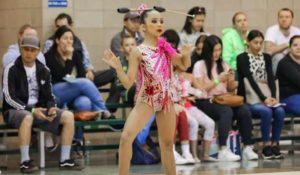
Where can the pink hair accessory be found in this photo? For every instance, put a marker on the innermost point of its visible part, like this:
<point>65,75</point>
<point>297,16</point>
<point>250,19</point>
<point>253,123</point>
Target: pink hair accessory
<point>141,8</point>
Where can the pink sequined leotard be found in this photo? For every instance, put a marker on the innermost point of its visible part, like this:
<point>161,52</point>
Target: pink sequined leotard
<point>154,85</point>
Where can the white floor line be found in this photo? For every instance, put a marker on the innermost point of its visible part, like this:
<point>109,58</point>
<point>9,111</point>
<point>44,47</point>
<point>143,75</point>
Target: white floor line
<point>277,173</point>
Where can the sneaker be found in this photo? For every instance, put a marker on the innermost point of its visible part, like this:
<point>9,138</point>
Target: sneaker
<point>267,153</point>
<point>188,156</point>
<point>69,165</point>
<point>52,148</point>
<point>28,167</point>
<point>210,159</point>
<point>179,160</point>
<point>227,155</point>
<point>116,128</point>
<point>105,117</point>
<point>197,160</point>
<point>249,154</point>
<point>276,152</point>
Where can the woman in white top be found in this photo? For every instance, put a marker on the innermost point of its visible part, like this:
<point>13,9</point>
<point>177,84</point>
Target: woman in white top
<point>193,26</point>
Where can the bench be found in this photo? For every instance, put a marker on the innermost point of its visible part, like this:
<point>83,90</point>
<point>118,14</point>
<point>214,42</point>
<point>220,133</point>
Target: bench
<point>290,120</point>
<point>41,135</point>
<point>9,131</point>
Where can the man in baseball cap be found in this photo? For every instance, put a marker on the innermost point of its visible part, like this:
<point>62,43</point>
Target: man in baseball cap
<point>131,15</point>
<point>130,27</point>
<point>29,48</point>
<point>31,41</point>
<point>29,103</point>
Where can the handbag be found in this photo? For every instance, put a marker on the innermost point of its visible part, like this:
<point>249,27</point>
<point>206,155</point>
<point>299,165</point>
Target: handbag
<point>251,96</point>
<point>86,116</point>
<point>234,142</point>
<point>228,99</point>
<point>144,154</point>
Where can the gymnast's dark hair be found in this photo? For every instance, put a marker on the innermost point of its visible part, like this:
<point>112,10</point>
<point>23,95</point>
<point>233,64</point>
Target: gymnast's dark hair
<point>144,16</point>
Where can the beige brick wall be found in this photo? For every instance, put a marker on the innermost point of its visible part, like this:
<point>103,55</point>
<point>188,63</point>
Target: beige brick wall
<point>96,21</point>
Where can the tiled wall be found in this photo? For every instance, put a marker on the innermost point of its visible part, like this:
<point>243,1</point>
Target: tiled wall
<point>96,21</point>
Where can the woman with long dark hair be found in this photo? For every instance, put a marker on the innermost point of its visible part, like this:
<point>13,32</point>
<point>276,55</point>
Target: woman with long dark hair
<point>216,78</point>
<point>193,26</point>
<point>70,86</point>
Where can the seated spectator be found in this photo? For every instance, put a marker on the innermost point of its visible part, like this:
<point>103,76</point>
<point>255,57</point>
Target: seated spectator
<point>288,73</point>
<point>130,30</point>
<point>128,42</point>
<point>193,26</point>
<point>216,78</point>
<point>131,27</point>
<point>197,52</point>
<point>78,92</point>
<point>234,39</point>
<point>256,67</point>
<point>13,51</point>
<point>279,35</point>
<point>182,130</point>
<point>29,103</point>
<point>100,78</point>
<point>195,117</point>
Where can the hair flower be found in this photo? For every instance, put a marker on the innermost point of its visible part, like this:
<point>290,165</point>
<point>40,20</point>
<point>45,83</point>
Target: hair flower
<point>141,8</point>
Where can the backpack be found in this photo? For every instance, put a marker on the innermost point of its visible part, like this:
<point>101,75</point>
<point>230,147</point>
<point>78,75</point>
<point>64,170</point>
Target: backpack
<point>144,154</point>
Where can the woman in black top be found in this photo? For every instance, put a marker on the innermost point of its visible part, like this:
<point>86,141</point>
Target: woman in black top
<point>256,67</point>
<point>68,76</point>
<point>288,73</point>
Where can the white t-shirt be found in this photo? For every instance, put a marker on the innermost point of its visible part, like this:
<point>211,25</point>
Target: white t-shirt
<point>274,35</point>
<point>190,38</point>
<point>33,88</point>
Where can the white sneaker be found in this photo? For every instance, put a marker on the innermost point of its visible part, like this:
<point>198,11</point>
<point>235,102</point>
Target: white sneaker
<point>249,154</point>
<point>179,160</point>
<point>188,156</point>
<point>227,155</point>
<point>197,160</point>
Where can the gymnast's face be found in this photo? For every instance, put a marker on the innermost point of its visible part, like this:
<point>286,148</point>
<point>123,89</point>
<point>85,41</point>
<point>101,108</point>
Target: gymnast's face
<point>154,24</point>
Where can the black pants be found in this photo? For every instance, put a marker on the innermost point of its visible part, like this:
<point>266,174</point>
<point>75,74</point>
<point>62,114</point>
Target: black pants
<point>116,92</point>
<point>104,77</point>
<point>224,115</point>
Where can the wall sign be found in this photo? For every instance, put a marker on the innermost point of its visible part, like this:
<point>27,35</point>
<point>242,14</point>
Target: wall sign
<point>57,3</point>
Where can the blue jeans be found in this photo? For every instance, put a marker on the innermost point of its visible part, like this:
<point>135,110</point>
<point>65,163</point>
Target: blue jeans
<point>69,92</point>
<point>292,104</point>
<point>80,95</point>
<point>267,114</point>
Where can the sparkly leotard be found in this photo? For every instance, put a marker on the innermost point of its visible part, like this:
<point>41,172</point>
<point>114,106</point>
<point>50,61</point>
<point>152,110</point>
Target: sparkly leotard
<point>154,85</point>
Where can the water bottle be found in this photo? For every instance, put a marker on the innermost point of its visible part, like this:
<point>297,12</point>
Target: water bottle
<point>65,106</point>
